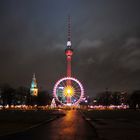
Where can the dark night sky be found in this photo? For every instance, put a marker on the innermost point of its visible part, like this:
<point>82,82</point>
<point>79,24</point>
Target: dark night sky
<point>105,39</point>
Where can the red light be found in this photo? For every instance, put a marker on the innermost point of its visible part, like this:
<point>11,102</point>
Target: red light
<point>69,52</point>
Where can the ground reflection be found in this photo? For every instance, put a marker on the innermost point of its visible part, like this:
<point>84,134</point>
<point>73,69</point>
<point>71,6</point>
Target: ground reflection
<point>70,127</point>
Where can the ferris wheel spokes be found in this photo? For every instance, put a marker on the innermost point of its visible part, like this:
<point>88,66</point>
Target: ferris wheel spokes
<point>71,93</point>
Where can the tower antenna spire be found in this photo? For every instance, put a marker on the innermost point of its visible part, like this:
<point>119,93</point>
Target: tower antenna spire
<point>69,32</point>
<point>69,28</point>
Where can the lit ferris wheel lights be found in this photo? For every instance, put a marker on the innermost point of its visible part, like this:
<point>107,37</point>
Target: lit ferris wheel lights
<point>62,91</point>
<point>68,91</point>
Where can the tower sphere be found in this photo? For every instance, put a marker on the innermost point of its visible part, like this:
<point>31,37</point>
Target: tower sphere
<point>69,52</point>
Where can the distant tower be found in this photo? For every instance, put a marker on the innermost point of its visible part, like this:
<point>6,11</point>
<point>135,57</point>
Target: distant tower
<point>69,50</point>
<point>34,89</point>
<point>68,90</point>
<point>69,53</point>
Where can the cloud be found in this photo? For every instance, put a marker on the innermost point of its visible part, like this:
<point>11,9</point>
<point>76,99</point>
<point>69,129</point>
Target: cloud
<point>114,65</point>
<point>132,41</point>
<point>90,60</point>
<point>131,56</point>
<point>87,44</point>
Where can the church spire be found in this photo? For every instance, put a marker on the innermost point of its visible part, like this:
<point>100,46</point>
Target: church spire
<point>34,89</point>
<point>34,83</point>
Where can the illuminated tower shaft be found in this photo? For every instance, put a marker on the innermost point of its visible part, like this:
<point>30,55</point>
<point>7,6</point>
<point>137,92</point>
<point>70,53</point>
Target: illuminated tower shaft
<point>68,64</point>
<point>69,53</point>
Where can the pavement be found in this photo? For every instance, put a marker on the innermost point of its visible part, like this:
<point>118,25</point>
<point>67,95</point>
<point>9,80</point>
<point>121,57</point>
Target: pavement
<point>117,129</point>
<point>70,127</point>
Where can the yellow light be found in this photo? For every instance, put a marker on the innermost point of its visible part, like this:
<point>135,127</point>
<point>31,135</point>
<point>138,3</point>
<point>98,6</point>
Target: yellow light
<point>68,91</point>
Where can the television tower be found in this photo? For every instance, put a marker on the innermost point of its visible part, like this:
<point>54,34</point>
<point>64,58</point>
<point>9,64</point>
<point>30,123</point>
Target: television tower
<point>69,53</point>
<point>68,90</point>
<point>69,50</point>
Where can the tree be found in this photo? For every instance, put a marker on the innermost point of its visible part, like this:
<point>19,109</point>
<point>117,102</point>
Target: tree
<point>135,99</point>
<point>7,94</point>
<point>44,98</point>
<point>21,95</point>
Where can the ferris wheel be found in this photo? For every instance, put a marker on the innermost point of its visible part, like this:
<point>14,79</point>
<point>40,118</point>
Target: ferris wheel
<point>68,91</point>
